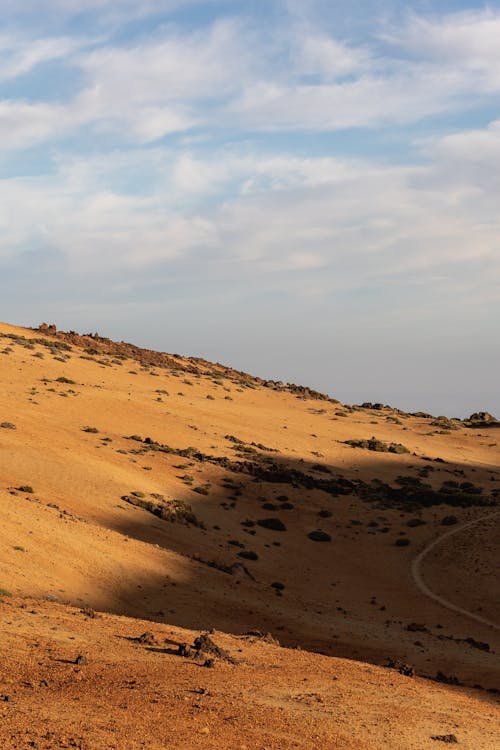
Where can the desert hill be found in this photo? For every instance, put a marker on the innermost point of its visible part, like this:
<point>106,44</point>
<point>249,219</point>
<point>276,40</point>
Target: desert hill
<point>158,488</point>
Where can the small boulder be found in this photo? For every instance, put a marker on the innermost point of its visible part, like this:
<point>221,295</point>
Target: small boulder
<point>319,536</point>
<point>273,524</point>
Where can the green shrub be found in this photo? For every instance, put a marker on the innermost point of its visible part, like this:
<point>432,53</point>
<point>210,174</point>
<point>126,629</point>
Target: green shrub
<point>201,490</point>
<point>444,423</point>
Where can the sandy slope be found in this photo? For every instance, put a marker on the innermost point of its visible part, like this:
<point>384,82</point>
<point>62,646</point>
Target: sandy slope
<point>76,539</point>
<point>130,695</point>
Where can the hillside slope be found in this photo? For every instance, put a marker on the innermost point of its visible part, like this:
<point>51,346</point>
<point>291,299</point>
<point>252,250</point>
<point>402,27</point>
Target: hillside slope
<point>194,496</point>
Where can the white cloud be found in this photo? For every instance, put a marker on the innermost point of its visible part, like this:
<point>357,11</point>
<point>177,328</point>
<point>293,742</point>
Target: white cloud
<point>365,102</point>
<point>344,224</point>
<point>467,36</point>
<point>19,55</point>
<point>475,145</point>
<point>233,75</point>
<point>107,10</point>
<point>467,41</point>
<point>24,124</point>
<point>319,54</point>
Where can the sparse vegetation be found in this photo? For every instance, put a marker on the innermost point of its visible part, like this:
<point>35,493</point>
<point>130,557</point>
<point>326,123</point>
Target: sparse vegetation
<point>203,489</point>
<point>373,444</point>
<point>445,424</point>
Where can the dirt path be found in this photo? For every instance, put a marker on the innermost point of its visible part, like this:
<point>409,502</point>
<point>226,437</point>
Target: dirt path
<point>418,579</point>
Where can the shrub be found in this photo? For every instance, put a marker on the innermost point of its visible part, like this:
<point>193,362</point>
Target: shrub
<point>202,490</point>
<point>377,445</point>
<point>444,423</point>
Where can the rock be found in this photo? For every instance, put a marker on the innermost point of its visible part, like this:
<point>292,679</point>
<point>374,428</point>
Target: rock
<point>449,521</point>
<point>417,627</point>
<point>147,639</point>
<point>402,542</point>
<point>247,554</point>
<point>405,669</point>
<point>482,416</point>
<point>319,536</point>
<point>204,647</point>
<point>274,524</point>
<point>481,645</point>
<point>446,679</point>
<point>266,637</point>
<point>81,660</point>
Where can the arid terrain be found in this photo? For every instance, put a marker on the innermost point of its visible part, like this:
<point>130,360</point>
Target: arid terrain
<point>192,557</point>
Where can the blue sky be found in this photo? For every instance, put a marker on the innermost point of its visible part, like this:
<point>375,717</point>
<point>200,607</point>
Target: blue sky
<point>300,188</point>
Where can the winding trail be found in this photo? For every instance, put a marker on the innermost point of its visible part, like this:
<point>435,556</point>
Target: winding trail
<point>418,579</point>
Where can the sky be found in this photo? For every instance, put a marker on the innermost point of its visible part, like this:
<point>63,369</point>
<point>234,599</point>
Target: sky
<point>308,190</point>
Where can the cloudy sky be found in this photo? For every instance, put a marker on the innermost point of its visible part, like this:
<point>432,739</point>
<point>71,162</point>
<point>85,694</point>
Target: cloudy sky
<point>301,189</point>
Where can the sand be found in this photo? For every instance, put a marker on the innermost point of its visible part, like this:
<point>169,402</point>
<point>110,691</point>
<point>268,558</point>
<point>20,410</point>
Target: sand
<point>349,603</point>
